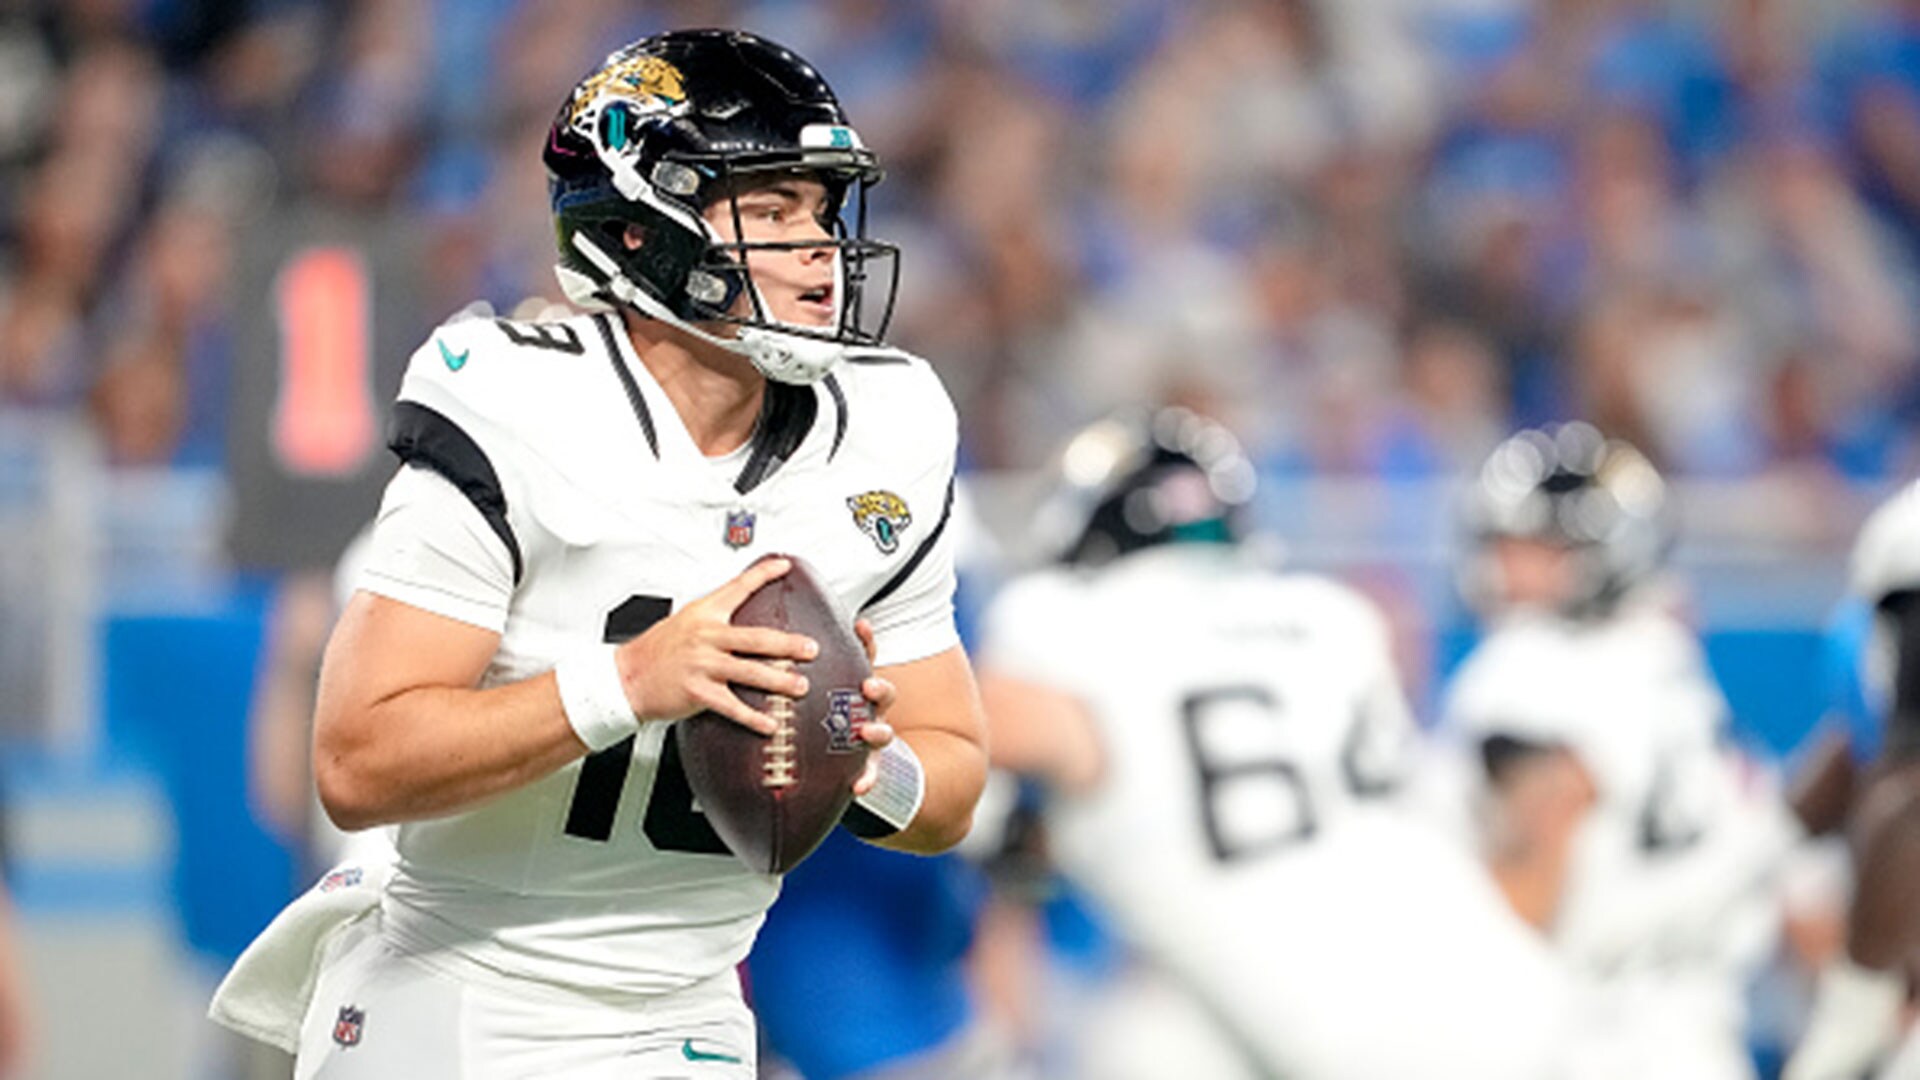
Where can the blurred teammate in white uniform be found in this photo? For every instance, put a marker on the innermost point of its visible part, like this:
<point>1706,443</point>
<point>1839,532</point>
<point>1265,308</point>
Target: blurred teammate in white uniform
<point>1223,743</point>
<point>1607,801</point>
<point>552,574</point>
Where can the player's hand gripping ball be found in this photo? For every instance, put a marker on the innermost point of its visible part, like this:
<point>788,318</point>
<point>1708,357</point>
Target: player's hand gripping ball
<point>773,799</point>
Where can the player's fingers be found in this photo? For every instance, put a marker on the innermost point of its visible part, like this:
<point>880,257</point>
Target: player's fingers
<point>735,592</point>
<point>765,642</point>
<point>876,734</point>
<point>864,630</point>
<point>720,699</point>
<point>868,777</point>
<point>879,691</point>
<point>774,677</point>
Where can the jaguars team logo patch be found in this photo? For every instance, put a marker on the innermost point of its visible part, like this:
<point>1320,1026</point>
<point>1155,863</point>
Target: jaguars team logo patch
<point>846,711</point>
<point>883,516</point>
<point>348,1025</point>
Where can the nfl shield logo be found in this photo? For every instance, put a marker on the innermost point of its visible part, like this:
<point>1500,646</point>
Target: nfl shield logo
<point>739,528</point>
<point>344,878</point>
<point>346,1029</point>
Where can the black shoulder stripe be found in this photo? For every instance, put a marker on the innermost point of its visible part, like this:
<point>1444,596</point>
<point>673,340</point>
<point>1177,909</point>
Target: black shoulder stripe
<point>874,359</point>
<point>627,383</point>
<point>919,553</point>
<point>840,415</point>
<point>423,437</point>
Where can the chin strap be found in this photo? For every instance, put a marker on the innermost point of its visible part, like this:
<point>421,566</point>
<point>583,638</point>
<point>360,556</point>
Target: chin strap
<point>784,357</point>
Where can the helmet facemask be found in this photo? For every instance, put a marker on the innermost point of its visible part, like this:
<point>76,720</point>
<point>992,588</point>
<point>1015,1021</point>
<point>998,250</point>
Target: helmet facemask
<point>725,272</point>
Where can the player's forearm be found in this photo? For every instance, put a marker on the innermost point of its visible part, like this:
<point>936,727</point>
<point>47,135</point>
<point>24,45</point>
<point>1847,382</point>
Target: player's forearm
<point>431,751</point>
<point>1883,924</point>
<point>1040,731</point>
<point>956,771</point>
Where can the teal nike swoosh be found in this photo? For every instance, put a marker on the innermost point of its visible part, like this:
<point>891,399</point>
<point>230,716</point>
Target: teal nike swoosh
<point>687,1051</point>
<point>454,361</point>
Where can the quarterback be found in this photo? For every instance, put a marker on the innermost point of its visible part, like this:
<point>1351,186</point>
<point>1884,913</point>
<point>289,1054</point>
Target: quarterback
<point>552,573</point>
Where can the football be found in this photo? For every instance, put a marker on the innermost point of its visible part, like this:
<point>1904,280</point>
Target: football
<point>774,799</point>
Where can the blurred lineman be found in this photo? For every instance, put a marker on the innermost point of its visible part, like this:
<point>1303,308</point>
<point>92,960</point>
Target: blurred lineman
<point>1857,1016</point>
<point>1222,743</point>
<point>549,587</point>
<point>1607,804</point>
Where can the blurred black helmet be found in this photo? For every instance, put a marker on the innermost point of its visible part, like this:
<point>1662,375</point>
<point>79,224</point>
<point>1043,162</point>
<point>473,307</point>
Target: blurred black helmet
<point>1141,478</point>
<point>673,123</point>
<point>1572,487</point>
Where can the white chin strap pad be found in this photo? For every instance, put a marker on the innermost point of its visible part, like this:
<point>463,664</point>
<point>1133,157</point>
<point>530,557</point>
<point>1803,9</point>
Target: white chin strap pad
<point>788,358</point>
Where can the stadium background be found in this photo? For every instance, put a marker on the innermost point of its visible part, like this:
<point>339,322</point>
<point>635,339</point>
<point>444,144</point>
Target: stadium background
<point>1373,236</point>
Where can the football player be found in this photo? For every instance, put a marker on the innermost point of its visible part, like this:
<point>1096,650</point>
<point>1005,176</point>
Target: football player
<point>552,573</point>
<point>1222,744</point>
<point>1611,810</point>
<point>1857,1014</point>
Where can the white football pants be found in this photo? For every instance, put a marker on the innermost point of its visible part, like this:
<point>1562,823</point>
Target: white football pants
<point>382,1014</point>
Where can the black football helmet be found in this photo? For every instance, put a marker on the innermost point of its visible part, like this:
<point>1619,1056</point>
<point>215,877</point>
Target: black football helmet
<point>668,126</point>
<point>1570,486</point>
<point>1140,478</point>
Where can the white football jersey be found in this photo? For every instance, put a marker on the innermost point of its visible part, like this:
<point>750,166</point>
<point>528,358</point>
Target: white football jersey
<point>1241,835</point>
<point>1668,897</point>
<point>553,495</point>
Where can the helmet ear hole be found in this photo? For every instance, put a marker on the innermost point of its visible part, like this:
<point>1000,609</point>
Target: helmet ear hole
<point>612,234</point>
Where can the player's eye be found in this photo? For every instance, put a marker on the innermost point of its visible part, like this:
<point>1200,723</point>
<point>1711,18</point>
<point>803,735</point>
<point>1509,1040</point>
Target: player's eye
<point>771,211</point>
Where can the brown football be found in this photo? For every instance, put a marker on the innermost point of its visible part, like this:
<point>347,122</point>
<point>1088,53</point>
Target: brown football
<point>773,799</point>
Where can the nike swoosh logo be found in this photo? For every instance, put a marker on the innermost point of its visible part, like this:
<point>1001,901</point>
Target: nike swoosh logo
<point>455,361</point>
<point>687,1051</point>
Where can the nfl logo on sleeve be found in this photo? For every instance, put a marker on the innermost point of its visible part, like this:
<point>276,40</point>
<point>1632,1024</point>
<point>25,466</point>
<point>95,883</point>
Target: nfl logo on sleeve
<point>346,1028</point>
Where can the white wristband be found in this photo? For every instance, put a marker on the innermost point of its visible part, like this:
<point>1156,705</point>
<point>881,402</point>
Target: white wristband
<point>899,788</point>
<point>595,701</point>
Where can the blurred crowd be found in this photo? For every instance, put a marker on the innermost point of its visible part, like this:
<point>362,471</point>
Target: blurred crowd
<point>1374,236</point>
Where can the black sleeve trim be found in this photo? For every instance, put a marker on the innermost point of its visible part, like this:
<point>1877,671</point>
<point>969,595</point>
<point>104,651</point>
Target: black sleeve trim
<point>893,584</point>
<point>627,383</point>
<point>866,824</point>
<point>840,415</point>
<point>425,438</point>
